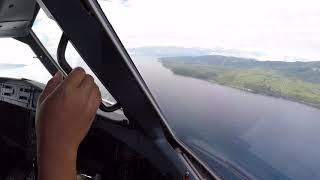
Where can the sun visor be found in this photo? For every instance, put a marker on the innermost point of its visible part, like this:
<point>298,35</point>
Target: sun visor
<point>16,17</point>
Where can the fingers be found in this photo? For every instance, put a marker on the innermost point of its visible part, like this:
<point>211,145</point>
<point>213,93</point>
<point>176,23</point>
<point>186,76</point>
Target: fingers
<point>94,102</point>
<point>79,79</point>
<point>75,77</point>
<point>87,84</point>
<point>94,99</point>
<point>52,84</point>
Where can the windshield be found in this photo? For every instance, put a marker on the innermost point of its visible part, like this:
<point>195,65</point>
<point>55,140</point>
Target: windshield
<point>49,33</point>
<point>17,60</point>
<point>238,81</point>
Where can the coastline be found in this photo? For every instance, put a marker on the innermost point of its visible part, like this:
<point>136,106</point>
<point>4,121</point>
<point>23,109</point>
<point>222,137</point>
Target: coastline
<point>250,90</point>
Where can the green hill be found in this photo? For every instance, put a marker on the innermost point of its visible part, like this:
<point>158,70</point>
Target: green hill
<point>296,81</point>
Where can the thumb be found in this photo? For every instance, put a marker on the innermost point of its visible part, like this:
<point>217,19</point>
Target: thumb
<point>52,84</point>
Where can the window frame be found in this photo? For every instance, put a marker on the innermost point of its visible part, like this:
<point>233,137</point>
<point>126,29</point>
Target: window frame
<point>61,63</point>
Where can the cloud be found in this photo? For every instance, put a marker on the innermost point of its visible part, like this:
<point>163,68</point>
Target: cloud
<point>124,2</point>
<point>276,28</point>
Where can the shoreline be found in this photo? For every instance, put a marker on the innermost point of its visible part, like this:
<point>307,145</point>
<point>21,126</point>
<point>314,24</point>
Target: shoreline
<point>265,94</point>
<point>253,91</point>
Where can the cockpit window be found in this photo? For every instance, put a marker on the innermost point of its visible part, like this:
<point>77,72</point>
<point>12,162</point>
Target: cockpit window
<point>17,60</point>
<point>238,81</point>
<point>49,33</point>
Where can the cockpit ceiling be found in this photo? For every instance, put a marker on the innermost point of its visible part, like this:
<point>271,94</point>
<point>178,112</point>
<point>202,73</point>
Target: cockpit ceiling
<point>16,17</point>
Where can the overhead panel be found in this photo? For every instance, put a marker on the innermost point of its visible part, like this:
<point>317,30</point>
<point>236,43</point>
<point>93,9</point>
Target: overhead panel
<point>16,17</point>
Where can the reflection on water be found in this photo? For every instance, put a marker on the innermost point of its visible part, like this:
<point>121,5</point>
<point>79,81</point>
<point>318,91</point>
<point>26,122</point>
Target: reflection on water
<point>262,137</point>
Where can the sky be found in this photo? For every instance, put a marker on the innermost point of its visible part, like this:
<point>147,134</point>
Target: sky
<point>13,51</point>
<point>286,30</point>
<point>269,29</point>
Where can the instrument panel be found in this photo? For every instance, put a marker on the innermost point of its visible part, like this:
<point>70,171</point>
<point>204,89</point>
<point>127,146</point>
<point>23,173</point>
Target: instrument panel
<point>23,93</point>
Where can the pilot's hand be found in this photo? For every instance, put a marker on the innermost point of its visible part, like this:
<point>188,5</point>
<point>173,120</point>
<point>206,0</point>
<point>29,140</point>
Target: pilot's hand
<point>66,109</point>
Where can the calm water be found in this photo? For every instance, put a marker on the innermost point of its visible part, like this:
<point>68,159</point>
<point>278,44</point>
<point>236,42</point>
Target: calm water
<point>266,137</point>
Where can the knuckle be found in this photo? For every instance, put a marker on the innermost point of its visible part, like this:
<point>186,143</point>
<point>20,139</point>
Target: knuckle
<point>97,94</point>
<point>96,88</point>
<point>89,78</point>
<point>78,71</point>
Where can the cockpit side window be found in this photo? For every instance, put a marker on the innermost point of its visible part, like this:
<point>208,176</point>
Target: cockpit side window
<point>49,33</point>
<point>17,60</point>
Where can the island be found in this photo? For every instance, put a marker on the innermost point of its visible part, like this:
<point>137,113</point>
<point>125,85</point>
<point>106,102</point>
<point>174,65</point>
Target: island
<point>295,81</point>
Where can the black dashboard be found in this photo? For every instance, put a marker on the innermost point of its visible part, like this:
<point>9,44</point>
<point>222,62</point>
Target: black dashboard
<point>18,101</point>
